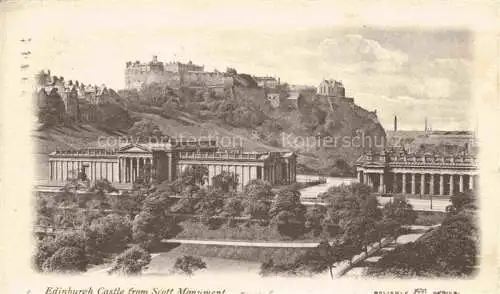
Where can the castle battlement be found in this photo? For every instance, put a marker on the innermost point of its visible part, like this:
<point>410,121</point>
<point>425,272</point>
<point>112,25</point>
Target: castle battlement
<point>174,74</point>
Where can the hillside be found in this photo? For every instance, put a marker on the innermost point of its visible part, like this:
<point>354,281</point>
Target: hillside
<point>324,133</point>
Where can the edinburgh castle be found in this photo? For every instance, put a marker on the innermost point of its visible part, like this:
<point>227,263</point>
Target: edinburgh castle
<point>174,75</point>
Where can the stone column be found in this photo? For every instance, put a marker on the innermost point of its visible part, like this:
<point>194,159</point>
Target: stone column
<point>381,183</point>
<point>413,183</point>
<point>253,172</point>
<point>431,186</point>
<point>394,182</point>
<point>451,185</point>
<point>170,167</point>
<point>461,183</point>
<point>136,168</point>
<point>246,175</point>
<point>64,170</point>
<point>142,164</point>
<point>150,169</point>
<point>403,183</point>
<point>127,170</point>
<point>441,185</point>
<point>365,178</point>
<point>239,172</point>
<point>67,170</point>
<point>51,172</point>
<point>422,184</point>
<point>121,170</point>
<point>359,177</point>
<point>471,182</point>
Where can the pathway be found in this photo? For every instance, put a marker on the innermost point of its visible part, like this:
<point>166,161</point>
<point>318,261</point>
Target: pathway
<point>376,253</point>
<point>244,243</point>
<point>313,191</point>
<point>309,195</point>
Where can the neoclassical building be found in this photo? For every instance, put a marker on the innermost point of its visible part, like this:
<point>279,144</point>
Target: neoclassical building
<point>166,161</point>
<point>421,174</point>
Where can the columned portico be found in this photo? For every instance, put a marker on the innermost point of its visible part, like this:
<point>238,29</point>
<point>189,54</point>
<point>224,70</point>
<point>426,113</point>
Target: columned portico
<point>411,174</point>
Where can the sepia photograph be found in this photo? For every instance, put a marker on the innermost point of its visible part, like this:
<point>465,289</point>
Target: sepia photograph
<point>179,141</point>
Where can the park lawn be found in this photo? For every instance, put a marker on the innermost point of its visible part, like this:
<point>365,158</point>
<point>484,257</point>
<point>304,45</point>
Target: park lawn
<point>247,253</point>
<point>240,232</point>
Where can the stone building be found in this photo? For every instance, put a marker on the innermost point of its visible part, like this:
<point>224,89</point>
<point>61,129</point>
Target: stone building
<point>419,174</point>
<point>166,161</point>
<point>267,82</point>
<point>171,74</point>
<point>331,88</point>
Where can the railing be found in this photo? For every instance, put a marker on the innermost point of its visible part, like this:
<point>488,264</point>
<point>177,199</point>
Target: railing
<point>85,152</point>
<point>424,160</point>
<point>216,156</point>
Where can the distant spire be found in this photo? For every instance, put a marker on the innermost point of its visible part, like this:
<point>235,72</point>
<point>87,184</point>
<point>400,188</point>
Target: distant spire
<point>395,123</point>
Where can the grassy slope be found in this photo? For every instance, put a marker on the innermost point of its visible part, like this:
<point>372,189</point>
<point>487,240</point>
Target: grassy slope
<point>87,136</point>
<point>178,123</point>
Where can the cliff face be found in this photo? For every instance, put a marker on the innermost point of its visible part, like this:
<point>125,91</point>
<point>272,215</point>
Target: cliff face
<point>328,133</point>
<point>342,132</point>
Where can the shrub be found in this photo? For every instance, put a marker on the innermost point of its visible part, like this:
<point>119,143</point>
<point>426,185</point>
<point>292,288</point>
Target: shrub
<point>188,265</point>
<point>67,259</point>
<point>131,262</point>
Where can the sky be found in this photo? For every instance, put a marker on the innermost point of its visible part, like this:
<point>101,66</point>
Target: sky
<point>406,70</point>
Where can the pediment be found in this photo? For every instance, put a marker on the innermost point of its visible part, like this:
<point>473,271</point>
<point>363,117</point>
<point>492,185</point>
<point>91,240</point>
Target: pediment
<point>134,149</point>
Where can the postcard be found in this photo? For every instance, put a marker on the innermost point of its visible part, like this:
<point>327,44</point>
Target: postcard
<point>217,147</point>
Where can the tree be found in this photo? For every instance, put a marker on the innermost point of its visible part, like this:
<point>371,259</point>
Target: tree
<point>67,259</point>
<point>225,181</point>
<point>400,211</point>
<point>129,202</point>
<point>288,213</point>
<point>188,265</point>
<point>258,195</point>
<point>319,259</point>
<point>461,200</point>
<point>152,224</point>
<point>387,228</point>
<point>145,130</point>
<point>131,262</point>
<point>231,71</point>
<point>195,175</point>
<point>107,235</point>
<point>154,93</point>
<point>233,206</point>
<point>314,219</point>
<point>449,250</point>
<point>210,204</point>
<point>48,246</point>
